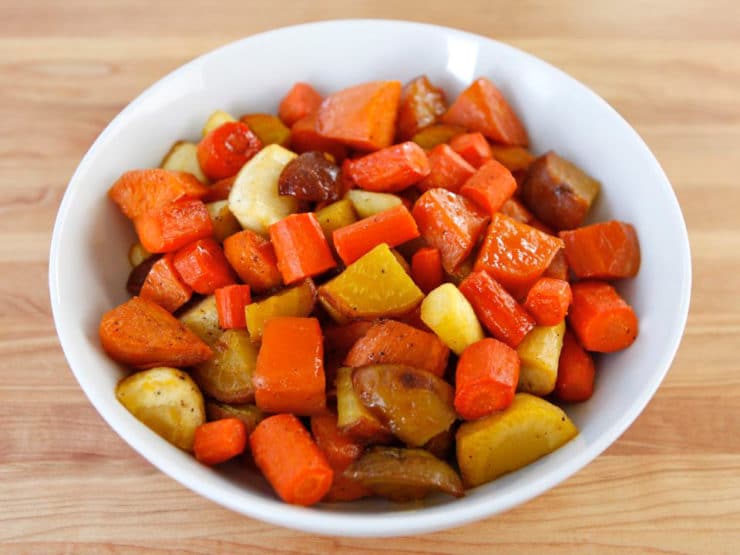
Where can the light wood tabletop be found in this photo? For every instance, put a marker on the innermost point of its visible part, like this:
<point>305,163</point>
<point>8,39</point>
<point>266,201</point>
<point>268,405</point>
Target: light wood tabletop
<point>670,484</point>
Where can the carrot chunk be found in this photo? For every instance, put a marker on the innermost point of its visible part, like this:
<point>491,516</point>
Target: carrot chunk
<point>447,170</point>
<point>516,254</point>
<point>421,105</point>
<point>390,169</point>
<point>290,460</point>
<point>601,319</point>
<point>224,151</point>
<point>490,187</point>
<point>174,225</point>
<point>300,247</point>
<point>473,147</point>
<point>606,250</point>
<point>301,100</point>
<point>393,226</point>
<point>305,137</point>
<point>289,376</point>
<point>576,372</point>
<point>137,192</point>
<point>230,303</point>
<point>391,342</point>
<point>558,268</point>
<point>142,334</point>
<point>548,301</point>
<point>363,116</point>
<point>482,107</point>
<point>164,286</point>
<point>486,377</point>
<point>450,223</point>
<point>218,441</point>
<point>253,258</point>
<point>515,209</point>
<point>498,311</point>
<point>203,266</point>
<point>426,269</point>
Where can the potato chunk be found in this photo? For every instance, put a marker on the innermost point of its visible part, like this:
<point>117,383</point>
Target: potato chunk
<point>539,352</point>
<point>202,320</point>
<point>353,418</point>
<point>183,157</point>
<point>508,440</point>
<point>227,376</point>
<point>448,314</point>
<point>216,119</point>
<point>167,401</point>
<point>367,203</point>
<point>296,301</point>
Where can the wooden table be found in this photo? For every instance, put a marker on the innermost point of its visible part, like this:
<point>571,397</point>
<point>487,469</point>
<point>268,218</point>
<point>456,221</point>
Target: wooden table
<point>69,484</point>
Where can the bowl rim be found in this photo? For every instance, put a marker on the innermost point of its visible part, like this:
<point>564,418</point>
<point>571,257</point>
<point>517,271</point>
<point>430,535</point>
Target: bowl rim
<point>349,524</point>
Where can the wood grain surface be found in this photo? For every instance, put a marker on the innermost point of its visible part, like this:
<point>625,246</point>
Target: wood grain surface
<point>69,484</point>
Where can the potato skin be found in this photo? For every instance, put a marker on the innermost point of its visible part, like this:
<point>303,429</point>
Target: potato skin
<point>558,192</point>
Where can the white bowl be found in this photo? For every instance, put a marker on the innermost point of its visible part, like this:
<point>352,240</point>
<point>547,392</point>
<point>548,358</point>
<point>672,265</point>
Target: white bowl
<point>88,265</point>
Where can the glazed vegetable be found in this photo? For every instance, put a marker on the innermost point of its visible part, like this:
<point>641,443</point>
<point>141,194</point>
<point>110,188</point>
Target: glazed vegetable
<point>164,286</point>
<point>203,266</point>
<point>448,313</point>
<point>353,417</point>
<point>391,342</point>
<point>202,320</point>
<point>142,334</point>
<point>527,430</point>
<point>363,116</point>
<point>300,247</point>
<point>170,227</point>
<point>515,158</point>
<point>447,170</point>
<point>305,137</point>
<point>390,169</point>
<point>138,275</point>
<point>601,319</point>
<point>485,379</point>
<point>548,301</point>
<point>268,129</point>
<point>368,204</point>
<point>290,460</point>
<point>437,134</point>
<point>183,157</point>
<point>227,376</point>
<point>473,147</point>
<point>482,107</point>
<point>415,404</point>
<point>558,192</point>
<point>539,353</point>
<point>421,105</point>
<point>167,401</point>
<point>310,177</point>
<point>357,292</point>
<point>450,223</point>
<point>426,268</point>
<point>392,227</point>
<point>576,372</point>
<point>607,250</point>
<point>296,301</point>
<point>223,221</point>
<point>558,268</point>
<point>250,415</point>
<point>291,379</point>
<point>336,215</point>
<point>404,474</point>
<point>490,187</point>
<point>301,100</point>
<point>230,302</point>
<point>224,151</point>
<point>219,441</point>
<point>253,258</point>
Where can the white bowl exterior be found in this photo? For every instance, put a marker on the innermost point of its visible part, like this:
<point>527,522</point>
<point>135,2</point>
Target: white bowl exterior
<point>88,256</point>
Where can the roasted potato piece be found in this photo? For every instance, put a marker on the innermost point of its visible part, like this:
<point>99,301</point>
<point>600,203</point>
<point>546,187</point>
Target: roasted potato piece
<point>422,104</point>
<point>254,197</point>
<point>227,376</point>
<point>295,301</point>
<point>353,418</point>
<point>539,352</point>
<point>137,254</point>
<point>224,222</point>
<point>249,414</point>
<point>415,404</point>
<point>505,441</point>
<point>268,128</point>
<point>367,203</point>
<point>448,314</point>
<point>138,274</point>
<point>216,119</point>
<point>202,320</point>
<point>373,286</point>
<point>558,192</point>
<point>515,158</point>
<point>310,177</point>
<point>404,474</point>
<point>437,134</point>
<point>336,215</point>
<point>183,157</point>
<point>167,401</point>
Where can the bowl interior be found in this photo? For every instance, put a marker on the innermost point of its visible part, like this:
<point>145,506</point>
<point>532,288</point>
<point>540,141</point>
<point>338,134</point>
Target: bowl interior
<point>89,265</point>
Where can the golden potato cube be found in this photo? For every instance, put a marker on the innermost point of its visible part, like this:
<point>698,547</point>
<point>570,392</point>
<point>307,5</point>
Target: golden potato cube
<point>295,301</point>
<point>448,314</point>
<point>539,352</point>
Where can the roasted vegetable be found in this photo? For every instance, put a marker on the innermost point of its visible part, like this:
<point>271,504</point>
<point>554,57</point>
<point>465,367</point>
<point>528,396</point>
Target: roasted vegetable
<point>301,249</point>
<point>449,314</point>
<point>225,150</point>
<point>295,301</point>
<point>167,401</point>
<point>601,318</point>
<point>164,286</point>
<point>404,474</point>
<point>437,134</point>
<point>137,254</point>
<point>506,441</point>
<point>223,221</point>
<point>227,377</point>
<point>357,292</point>
<point>421,105</point>
<point>138,274</point>
<point>353,418</point>
<point>606,250</point>
<point>216,119</point>
<point>539,353</point>
<point>183,157</point>
<point>310,177</point>
<point>268,128</point>
<point>473,147</point>
<point>367,203</point>
<point>558,192</point>
<point>390,169</point>
<point>253,258</point>
<point>336,215</point>
<point>249,414</point>
<point>202,320</point>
